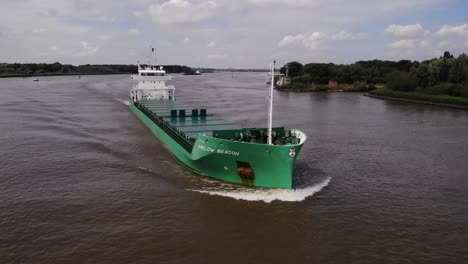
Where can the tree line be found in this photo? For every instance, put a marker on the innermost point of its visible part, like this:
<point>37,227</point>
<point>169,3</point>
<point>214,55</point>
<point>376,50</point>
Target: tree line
<point>443,75</point>
<point>30,69</point>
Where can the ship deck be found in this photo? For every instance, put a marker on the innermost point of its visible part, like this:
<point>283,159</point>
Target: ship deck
<point>191,121</point>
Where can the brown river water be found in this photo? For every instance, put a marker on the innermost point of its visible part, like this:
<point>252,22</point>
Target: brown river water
<point>82,180</point>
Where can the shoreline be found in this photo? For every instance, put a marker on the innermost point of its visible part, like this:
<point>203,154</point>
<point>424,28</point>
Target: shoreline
<point>57,74</point>
<point>415,101</point>
<point>318,91</point>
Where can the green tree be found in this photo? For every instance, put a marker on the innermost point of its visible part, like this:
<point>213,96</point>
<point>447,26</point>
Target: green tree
<point>401,81</point>
<point>459,70</point>
<point>447,64</point>
<point>434,69</point>
<point>352,73</point>
<point>404,65</point>
<point>447,55</point>
<point>319,72</point>
<point>293,68</point>
<point>360,85</point>
<point>421,73</point>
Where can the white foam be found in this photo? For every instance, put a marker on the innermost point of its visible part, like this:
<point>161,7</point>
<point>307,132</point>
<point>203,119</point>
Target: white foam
<point>125,102</point>
<point>269,195</point>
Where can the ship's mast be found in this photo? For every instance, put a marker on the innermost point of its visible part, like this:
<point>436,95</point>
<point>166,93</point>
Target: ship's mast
<point>270,109</point>
<point>152,59</point>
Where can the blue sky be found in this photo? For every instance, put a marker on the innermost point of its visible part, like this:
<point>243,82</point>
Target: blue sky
<point>224,34</point>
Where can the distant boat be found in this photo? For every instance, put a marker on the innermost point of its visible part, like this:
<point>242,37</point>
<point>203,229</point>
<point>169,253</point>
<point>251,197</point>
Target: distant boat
<point>197,73</point>
<point>35,80</point>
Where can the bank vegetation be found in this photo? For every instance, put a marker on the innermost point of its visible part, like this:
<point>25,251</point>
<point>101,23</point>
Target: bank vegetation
<point>443,77</point>
<point>43,69</point>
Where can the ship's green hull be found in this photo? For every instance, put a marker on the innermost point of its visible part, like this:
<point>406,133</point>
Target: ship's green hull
<point>271,166</point>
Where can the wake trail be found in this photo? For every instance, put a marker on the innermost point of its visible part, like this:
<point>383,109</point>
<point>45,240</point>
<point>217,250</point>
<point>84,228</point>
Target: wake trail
<point>124,102</point>
<point>268,195</point>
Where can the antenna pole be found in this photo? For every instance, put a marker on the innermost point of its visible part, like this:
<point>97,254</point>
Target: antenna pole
<point>151,57</point>
<point>270,109</point>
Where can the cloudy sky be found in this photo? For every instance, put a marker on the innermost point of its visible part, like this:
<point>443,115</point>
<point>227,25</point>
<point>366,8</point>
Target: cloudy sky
<point>224,34</point>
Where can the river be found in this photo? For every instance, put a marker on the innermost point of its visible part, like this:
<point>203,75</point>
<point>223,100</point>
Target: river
<point>84,181</point>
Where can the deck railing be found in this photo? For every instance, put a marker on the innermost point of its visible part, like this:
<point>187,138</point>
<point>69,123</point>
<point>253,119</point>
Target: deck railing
<point>178,136</point>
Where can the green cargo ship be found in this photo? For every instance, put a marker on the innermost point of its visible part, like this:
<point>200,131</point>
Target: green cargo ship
<point>207,144</point>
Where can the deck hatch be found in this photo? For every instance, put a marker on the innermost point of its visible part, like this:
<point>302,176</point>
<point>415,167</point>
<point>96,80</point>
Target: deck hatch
<point>183,123</point>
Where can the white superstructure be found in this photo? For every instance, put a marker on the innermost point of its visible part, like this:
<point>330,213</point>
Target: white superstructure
<point>151,84</point>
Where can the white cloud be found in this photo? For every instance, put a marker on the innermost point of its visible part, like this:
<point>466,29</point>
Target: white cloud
<point>343,35</point>
<point>4,31</point>
<point>311,41</point>
<point>443,44</point>
<point>285,3</point>
<point>243,29</point>
<point>186,40</point>
<point>179,12</point>
<point>411,40</point>
<point>402,5</point>
<point>424,44</point>
<point>104,37</point>
<point>212,44</point>
<point>403,43</point>
<point>39,30</point>
<point>52,12</point>
<point>87,49</point>
<point>410,44</point>
<point>405,31</point>
<point>466,43</point>
<point>57,50</point>
<point>415,42</point>
<point>106,19</point>
<point>314,40</point>
<point>217,56</point>
<point>291,40</point>
<point>133,31</point>
<point>460,30</point>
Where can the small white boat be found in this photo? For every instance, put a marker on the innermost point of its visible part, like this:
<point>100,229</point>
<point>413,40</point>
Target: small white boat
<point>35,80</point>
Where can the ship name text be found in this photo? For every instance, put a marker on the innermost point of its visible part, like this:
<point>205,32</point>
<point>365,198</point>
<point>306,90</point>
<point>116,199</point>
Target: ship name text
<point>219,151</point>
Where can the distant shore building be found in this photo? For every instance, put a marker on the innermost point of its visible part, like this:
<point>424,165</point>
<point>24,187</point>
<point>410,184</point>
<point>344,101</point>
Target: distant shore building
<point>332,84</point>
<point>283,80</point>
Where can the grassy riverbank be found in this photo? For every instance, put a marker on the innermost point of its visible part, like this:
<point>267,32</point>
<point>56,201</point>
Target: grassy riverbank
<point>422,97</point>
